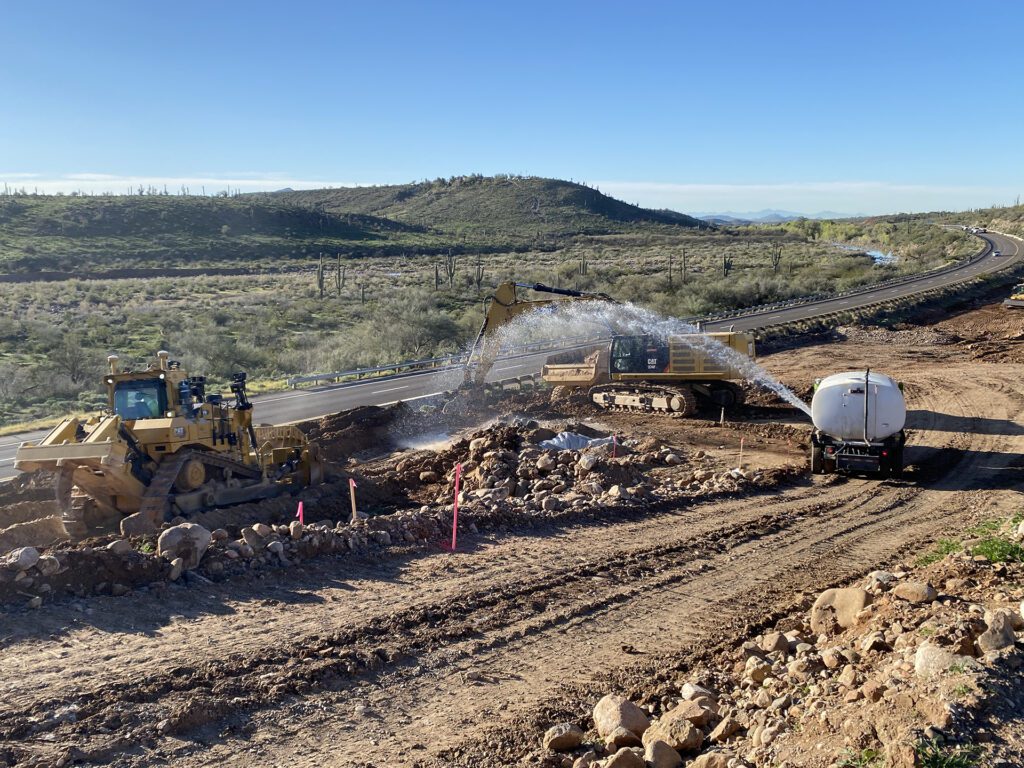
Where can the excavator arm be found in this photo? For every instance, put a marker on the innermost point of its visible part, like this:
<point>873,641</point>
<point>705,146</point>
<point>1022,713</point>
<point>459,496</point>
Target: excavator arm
<point>504,307</point>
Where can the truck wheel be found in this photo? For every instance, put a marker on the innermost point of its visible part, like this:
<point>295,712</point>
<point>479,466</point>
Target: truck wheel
<point>817,460</point>
<point>896,468</point>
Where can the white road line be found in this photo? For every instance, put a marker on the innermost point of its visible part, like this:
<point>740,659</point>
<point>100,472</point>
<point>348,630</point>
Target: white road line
<point>391,389</point>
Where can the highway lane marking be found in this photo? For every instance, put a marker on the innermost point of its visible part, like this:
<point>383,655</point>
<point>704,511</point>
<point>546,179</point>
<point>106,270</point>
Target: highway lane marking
<point>390,389</point>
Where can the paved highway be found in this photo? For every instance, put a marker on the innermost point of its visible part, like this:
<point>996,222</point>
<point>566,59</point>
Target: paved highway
<point>300,404</point>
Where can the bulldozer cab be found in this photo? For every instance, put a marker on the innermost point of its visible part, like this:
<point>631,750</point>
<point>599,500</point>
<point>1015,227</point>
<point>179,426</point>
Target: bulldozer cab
<point>140,399</point>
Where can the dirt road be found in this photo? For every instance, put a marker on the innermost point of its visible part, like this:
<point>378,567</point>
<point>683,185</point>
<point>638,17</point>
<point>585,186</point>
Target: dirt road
<point>460,659</point>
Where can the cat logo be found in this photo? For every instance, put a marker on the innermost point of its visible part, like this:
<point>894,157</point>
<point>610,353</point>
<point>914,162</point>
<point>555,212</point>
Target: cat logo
<point>179,431</point>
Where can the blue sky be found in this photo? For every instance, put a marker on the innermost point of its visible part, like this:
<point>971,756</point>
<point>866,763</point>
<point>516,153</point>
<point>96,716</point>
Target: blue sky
<point>853,107</point>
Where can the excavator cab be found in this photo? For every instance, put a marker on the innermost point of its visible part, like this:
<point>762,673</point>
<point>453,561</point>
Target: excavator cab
<point>639,354</point>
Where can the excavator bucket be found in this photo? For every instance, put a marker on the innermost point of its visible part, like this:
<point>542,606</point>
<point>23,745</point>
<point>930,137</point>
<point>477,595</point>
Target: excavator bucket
<point>590,371</point>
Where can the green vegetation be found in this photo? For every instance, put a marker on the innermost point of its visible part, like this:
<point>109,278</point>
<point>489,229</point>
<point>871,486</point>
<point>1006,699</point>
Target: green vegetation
<point>942,548</point>
<point>931,754</point>
<point>406,273</point>
<point>999,549</point>
<point>866,758</point>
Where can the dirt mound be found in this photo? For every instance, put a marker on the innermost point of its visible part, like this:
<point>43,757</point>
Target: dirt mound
<point>27,486</point>
<point>37,532</point>
<point>26,511</point>
<point>349,433</point>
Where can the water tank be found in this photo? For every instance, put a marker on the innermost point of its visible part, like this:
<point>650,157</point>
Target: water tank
<point>837,408</point>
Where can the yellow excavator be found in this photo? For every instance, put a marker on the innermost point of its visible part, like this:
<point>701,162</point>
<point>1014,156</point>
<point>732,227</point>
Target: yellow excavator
<point>629,372</point>
<point>164,447</point>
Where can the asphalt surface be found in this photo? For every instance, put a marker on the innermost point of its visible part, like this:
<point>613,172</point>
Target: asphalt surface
<point>301,404</point>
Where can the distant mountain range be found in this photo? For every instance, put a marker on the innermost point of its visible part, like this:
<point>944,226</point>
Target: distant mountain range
<point>768,216</point>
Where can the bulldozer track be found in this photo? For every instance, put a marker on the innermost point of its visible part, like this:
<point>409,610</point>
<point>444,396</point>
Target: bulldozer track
<point>156,501</point>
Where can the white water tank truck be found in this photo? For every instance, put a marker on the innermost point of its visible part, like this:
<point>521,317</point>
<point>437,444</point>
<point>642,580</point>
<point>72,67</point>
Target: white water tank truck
<point>858,424</point>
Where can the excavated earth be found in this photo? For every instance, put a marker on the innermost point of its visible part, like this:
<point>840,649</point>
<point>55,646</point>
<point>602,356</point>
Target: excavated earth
<point>366,654</point>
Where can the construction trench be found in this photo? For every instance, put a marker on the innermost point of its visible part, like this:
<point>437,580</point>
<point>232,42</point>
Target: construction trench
<point>368,642</point>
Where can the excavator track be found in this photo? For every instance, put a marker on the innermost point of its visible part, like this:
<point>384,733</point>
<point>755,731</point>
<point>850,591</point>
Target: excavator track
<point>676,401</point>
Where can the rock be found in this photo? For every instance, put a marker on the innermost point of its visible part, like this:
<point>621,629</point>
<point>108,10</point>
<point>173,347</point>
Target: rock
<point>622,737</point>
<point>873,690</point>
<point>275,548</point>
<point>262,530</point>
<point>710,760</point>
<point>880,578</point>
<point>177,566</point>
<point>774,641</point>
<point>295,530</point>
<point>613,711</point>
<point>138,524</point>
<point>118,589</point>
<point>915,592</point>
<point>35,602</point>
<point>48,565</point>
<point>625,758</point>
<point>253,539</point>
<point>673,460</point>
<point>119,547</point>
<point>726,728</point>
<point>540,434</point>
<point>477,445</point>
<point>21,559</point>
<point>187,541</point>
<point>689,710</point>
<point>589,758</point>
<point>546,463</point>
<point>381,538</point>
<point>587,462</point>
<point>679,733</point>
<point>840,605</point>
<point>618,492</point>
<point>931,661</point>
<point>999,633</point>
<point>219,534</point>
<point>428,477</point>
<point>562,737</point>
<point>658,754</point>
<point>691,691</point>
<point>757,669</point>
<point>848,676</point>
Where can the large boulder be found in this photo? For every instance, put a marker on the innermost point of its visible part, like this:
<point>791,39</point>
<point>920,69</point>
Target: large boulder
<point>187,541</point>
<point>915,592</point>
<point>614,712</point>
<point>21,559</point>
<point>563,736</point>
<point>999,632</point>
<point>840,606</point>
<point>676,731</point>
<point>932,661</point>
<point>660,755</point>
<point>711,760</point>
<point>625,758</point>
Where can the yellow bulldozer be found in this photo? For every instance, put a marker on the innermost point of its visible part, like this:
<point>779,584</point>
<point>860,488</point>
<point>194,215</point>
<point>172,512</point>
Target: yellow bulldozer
<point>643,372</point>
<point>164,447</point>
<point>1016,300</point>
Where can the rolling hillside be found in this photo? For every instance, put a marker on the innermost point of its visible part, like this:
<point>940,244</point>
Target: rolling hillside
<point>65,233</point>
<point>506,208</point>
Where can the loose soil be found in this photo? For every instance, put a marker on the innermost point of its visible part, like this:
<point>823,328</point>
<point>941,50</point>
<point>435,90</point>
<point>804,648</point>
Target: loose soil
<point>430,658</point>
